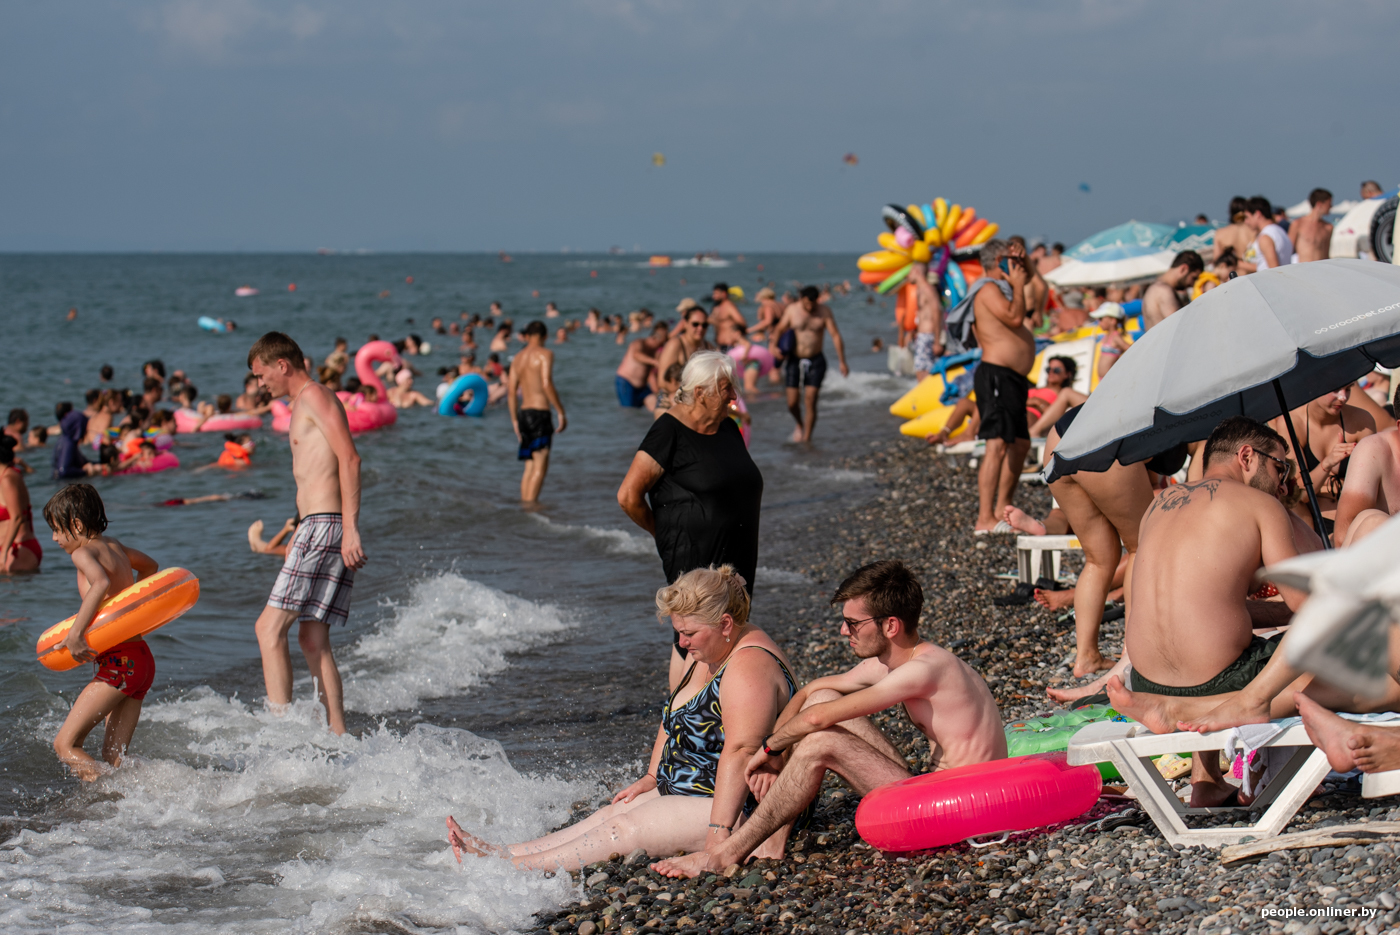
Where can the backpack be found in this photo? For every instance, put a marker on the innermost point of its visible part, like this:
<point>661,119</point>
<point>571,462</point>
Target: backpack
<point>962,317</point>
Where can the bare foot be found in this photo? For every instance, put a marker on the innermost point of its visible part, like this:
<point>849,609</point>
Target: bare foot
<point>1210,794</point>
<point>1148,710</point>
<point>1074,694</point>
<point>775,847</point>
<point>689,866</point>
<point>1090,664</point>
<point>1056,600</point>
<point>1331,734</point>
<point>255,539</point>
<point>1232,712</point>
<point>1021,522</point>
<point>462,841</point>
<point>797,434</point>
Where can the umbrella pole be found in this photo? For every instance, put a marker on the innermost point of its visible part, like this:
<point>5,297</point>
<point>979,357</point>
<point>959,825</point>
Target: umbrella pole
<point>1307,478</point>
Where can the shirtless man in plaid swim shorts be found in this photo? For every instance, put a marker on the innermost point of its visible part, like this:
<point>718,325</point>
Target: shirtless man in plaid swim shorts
<point>314,584</point>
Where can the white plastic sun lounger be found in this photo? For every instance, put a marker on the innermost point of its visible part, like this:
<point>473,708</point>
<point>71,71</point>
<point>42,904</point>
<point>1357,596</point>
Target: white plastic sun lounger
<point>1039,556</point>
<point>1130,747</point>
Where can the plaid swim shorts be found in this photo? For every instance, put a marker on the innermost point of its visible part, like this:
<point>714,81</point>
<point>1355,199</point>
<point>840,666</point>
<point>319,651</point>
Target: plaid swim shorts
<point>314,581</point>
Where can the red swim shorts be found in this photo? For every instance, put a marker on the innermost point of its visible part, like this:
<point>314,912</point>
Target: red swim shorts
<point>128,667</point>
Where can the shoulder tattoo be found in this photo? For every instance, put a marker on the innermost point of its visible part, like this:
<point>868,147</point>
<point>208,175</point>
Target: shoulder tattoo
<point>1179,495</point>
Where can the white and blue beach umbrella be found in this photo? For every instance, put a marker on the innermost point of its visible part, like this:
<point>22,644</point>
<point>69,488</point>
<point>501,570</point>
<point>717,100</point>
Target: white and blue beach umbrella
<point>1256,346</point>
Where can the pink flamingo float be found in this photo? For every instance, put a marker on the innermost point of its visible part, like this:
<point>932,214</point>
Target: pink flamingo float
<point>363,416</point>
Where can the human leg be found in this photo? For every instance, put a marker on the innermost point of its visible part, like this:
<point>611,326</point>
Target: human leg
<point>1365,523</point>
<point>794,404</point>
<point>1123,495</point>
<point>121,724</point>
<point>532,480</point>
<point>1102,551</point>
<point>988,476</point>
<point>314,637</point>
<point>659,825</point>
<point>1021,521</point>
<point>862,766</point>
<point>1010,476</point>
<point>272,627</point>
<point>1349,745</point>
<point>809,421</point>
<point>95,703</point>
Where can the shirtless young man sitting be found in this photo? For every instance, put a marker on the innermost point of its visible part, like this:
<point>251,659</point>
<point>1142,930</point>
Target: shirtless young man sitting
<point>1371,488</point>
<point>633,380</point>
<point>1236,235</point>
<point>530,393</point>
<point>1008,351</point>
<point>805,368</point>
<point>1161,298</point>
<point>825,726</point>
<point>1312,234</point>
<point>314,584</point>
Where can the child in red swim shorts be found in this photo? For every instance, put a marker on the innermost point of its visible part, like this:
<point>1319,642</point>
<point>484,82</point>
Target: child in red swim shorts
<point>121,675</point>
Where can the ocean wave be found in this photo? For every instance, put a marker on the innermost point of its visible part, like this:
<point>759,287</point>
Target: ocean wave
<point>615,541</point>
<point>841,475</point>
<point>234,821</point>
<point>861,387</point>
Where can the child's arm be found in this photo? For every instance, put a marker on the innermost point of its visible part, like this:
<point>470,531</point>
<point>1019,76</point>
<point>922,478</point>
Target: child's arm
<point>98,582</point>
<point>142,564</point>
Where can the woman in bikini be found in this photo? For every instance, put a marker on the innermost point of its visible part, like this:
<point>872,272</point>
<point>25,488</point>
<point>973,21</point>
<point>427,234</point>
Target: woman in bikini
<point>19,550</point>
<point>693,795</point>
<point>1328,429</point>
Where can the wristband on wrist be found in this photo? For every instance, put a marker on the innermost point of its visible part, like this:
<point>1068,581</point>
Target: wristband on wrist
<point>722,827</point>
<point>769,750</point>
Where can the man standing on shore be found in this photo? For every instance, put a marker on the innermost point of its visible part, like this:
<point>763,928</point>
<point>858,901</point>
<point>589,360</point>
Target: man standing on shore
<point>530,394</point>
<point>1008,351</point>
<point>805,367</point>
<point>1311,234</point>
<point>314,584</point>
<point>728,321</point>
<point>1161,298</point>
<point>633,380</point>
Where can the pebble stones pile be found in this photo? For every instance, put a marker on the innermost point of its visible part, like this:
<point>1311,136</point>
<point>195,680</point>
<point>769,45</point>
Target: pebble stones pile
<point>1074,880</point>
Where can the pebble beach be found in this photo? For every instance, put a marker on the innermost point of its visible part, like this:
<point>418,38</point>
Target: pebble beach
<point>1106,873</point>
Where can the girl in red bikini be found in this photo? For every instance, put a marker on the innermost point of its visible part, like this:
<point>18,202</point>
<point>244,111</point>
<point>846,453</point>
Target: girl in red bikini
<point>19,550</point>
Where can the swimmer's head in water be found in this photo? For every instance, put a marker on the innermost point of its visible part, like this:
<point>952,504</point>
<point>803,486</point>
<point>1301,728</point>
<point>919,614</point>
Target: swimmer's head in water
<point>889,589</point>
<point>707,594</point>
<point>76,510</point>
<point>18,419</point>
<point>404,378</point>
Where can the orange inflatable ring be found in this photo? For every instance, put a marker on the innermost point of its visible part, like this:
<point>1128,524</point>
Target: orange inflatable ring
<point>145,606</point>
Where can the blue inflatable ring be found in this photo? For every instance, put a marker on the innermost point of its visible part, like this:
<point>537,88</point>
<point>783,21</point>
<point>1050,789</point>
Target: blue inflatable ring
<point>480,391</point>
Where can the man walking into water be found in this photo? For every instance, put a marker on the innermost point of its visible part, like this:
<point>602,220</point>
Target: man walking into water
<point>530,394</point>
<point>314,584</point>
<point>804,367</point>
<point>728,321</point>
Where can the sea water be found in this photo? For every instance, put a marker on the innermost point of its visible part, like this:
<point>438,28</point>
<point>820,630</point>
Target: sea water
<point>501,665</point>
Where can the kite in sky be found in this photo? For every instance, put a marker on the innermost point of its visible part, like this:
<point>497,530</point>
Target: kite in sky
<point>850,159</point>
<point>658,160</point>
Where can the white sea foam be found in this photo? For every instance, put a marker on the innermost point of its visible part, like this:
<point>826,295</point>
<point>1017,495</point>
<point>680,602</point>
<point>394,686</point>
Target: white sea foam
<point>840,475</point>
<point>470,629</point>
<point>614,541</point>
<point>860,387</point>
<point>228,820</point>
<point>233,821</point>
<point>780,576</point>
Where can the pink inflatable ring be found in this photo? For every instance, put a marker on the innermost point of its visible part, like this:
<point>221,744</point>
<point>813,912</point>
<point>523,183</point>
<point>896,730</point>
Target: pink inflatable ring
<point>970,802</point>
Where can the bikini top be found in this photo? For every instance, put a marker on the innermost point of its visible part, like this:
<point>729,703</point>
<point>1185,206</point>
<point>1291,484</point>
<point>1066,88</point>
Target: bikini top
<point>695,734</point>
<point>1332,486</point>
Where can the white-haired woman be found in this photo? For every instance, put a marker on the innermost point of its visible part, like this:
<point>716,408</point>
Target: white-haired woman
<point>692,484</point>
<point>693,794</point>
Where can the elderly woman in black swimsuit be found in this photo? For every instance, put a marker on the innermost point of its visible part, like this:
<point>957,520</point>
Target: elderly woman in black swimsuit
<point>1328,429</point>
<point>693,794</point>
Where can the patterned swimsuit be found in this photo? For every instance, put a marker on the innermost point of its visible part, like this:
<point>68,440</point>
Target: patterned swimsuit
<point>695,735</point>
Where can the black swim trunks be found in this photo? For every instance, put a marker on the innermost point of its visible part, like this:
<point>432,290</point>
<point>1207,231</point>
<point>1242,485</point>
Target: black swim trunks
<point>1232,678</point>
<point>804,371</point>
<point>536,431</point>
<point>1001,402</point>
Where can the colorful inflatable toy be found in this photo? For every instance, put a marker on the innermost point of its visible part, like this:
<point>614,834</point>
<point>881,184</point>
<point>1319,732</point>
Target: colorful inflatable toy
<point>755,354</point>
<point>187,420</point>
<point>145,606</point>
<point>164,461</point>
<point>946,237</point>
<point>1051,734</point>
<point>363,415</point>
<point>476,383</point>
<point>971,802</point>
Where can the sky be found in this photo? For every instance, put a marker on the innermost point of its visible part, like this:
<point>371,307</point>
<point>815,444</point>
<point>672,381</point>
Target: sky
<point>245,125</point>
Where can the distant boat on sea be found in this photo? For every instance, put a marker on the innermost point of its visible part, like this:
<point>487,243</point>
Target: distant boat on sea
<point>245,291</point>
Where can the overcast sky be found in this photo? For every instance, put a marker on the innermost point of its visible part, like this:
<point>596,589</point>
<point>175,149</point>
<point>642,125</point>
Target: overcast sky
<point>254,125</point>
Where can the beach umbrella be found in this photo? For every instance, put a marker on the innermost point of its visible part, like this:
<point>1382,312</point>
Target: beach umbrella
<point>1256,346</point>
<point>1134,250</point>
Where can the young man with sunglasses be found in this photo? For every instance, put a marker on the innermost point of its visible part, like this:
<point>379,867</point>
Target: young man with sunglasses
<point>1191,633</point>
<point>826,725</point>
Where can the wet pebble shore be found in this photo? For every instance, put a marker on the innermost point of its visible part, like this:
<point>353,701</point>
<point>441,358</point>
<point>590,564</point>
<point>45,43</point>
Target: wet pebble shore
<point>1107,873</point>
